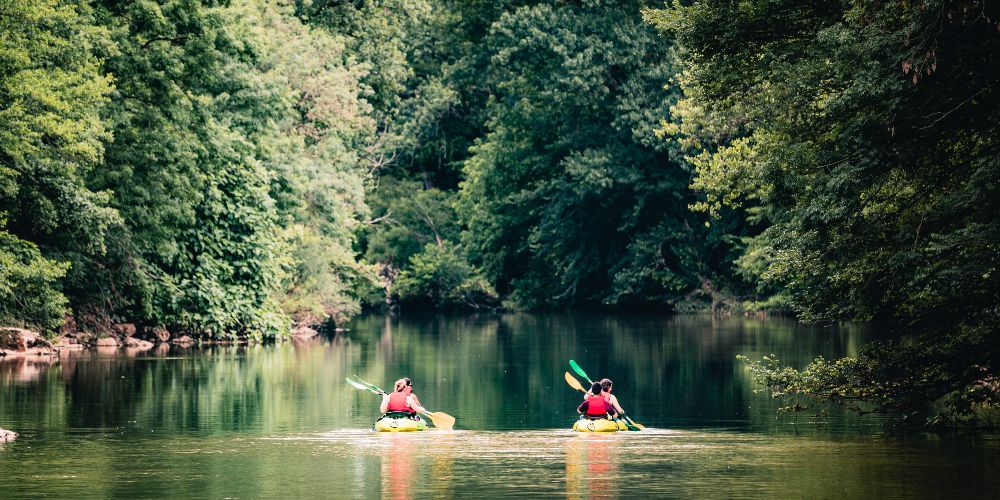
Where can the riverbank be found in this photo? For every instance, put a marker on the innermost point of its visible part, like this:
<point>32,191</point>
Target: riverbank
<point>126,339</point>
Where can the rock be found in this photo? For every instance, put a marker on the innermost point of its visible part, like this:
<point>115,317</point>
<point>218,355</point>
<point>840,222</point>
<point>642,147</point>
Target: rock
<point>156,334</point>
<point>124,330</point>
<point>84,338</point>
<point>183,340</point>
<point>67,342</point>
<point>134,343</point>
<point>20,340</point>
<point>304,332</point>
<point>6,435</point>
<point>106,342</point>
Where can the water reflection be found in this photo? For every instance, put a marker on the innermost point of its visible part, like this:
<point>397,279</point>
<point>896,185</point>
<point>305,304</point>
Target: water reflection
<point>398,474</point>
<point>279,421</point>
<point>492,372</point>
<point>592,466</point>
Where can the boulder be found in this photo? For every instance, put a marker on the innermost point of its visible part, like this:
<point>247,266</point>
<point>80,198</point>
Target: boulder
<point>67,342</point>
<point>6,435</point>
<point>20,340</point>
<point>156,334</point>
<point>134,343</point>
<point>304,333</point>
<point>106,342</point>
<point>124,330</point>
<point>183,340</point>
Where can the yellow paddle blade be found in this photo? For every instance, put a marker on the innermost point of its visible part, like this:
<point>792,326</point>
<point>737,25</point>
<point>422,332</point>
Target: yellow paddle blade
<point>441,420</point>
<point>574,383</point>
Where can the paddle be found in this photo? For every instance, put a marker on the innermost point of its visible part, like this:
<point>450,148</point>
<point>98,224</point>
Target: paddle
<point>363,387</point>
<point>579,371</point>
<point>574,383</point>
<point>440,419</point>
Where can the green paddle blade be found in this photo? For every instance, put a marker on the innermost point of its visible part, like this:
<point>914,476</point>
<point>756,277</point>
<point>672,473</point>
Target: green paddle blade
<point>579,371</point>
<point>361,387</point>
<point>638,426</point>
<point>369,385</point>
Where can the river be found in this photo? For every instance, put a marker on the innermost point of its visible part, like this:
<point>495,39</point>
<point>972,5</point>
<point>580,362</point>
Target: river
<point>279,421</point>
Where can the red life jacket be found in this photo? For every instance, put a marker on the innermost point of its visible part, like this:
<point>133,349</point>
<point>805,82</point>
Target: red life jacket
<point>397,402</point>
<point>596,407</point>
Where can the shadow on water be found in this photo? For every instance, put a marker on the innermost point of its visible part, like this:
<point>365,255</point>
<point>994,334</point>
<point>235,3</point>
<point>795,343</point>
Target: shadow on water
<point>279,421</point>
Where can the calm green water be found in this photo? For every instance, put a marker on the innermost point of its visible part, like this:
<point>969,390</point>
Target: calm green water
<point>279,421</point>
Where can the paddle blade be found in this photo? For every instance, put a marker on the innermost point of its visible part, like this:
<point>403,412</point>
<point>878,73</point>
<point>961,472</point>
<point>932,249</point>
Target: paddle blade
<point>574,383</point>
<point>579,371</point>
<point>359,386</point>
<point>441,420</point>
<point>636,425</point>
<point>370,386</point>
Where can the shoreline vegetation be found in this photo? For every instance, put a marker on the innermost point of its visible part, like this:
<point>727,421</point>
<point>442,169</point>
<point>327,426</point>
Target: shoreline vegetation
<point>245,170</point>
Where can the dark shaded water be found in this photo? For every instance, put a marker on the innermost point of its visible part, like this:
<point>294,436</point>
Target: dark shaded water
<point>279,421</point>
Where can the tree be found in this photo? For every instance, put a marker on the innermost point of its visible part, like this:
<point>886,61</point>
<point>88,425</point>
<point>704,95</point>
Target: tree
<point>569,197</point>
<point>51,138</point>
<point>865,135</point>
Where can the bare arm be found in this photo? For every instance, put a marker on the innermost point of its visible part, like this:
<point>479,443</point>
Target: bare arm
<point>412,403</point>
<point>385,403</point>
<point>614,402</point>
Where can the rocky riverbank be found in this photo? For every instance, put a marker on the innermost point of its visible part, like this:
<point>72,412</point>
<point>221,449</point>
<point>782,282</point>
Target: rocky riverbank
<point>19,343</point>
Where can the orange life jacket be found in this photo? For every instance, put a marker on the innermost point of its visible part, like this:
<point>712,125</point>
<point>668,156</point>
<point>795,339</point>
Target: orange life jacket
<point>397,402</point>
<point>597,407</point>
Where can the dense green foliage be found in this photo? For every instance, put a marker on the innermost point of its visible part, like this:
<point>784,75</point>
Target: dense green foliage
<point>237,168</point>
<point>866,136</point>
<point>544,119</point>
<point>214,189</point>
<point>52,91</point>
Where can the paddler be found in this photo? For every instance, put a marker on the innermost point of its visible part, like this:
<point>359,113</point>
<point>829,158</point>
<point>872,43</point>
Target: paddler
<point>401,400</point>
<point>605,393</point>
<point>409,390</point>
<point>596,406</point>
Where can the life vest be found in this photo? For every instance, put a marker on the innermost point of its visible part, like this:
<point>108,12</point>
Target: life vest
<point>397,402</point>
<point>604,396</point>
<point>596,407</point>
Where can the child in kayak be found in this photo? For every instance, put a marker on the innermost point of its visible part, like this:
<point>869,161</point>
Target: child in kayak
<point>401,400</point>
<point>595,406</point>
<point>605,393</point>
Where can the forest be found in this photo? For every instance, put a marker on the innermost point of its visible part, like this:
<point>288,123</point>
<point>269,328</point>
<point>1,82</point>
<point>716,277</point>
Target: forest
<point>240,168</point>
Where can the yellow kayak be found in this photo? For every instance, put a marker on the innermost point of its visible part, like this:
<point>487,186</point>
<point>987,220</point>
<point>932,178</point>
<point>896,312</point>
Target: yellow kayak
<point>599,425</point>
<point>401,424</point>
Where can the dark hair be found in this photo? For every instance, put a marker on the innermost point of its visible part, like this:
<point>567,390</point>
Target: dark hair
<point>605,384</point>
<point>596,388</point>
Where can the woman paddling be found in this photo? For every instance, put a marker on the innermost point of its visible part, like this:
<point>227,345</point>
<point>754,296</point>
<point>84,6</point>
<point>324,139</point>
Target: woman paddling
<point>401,400</point>
<point>596,406</point>
<point>409,390</point>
